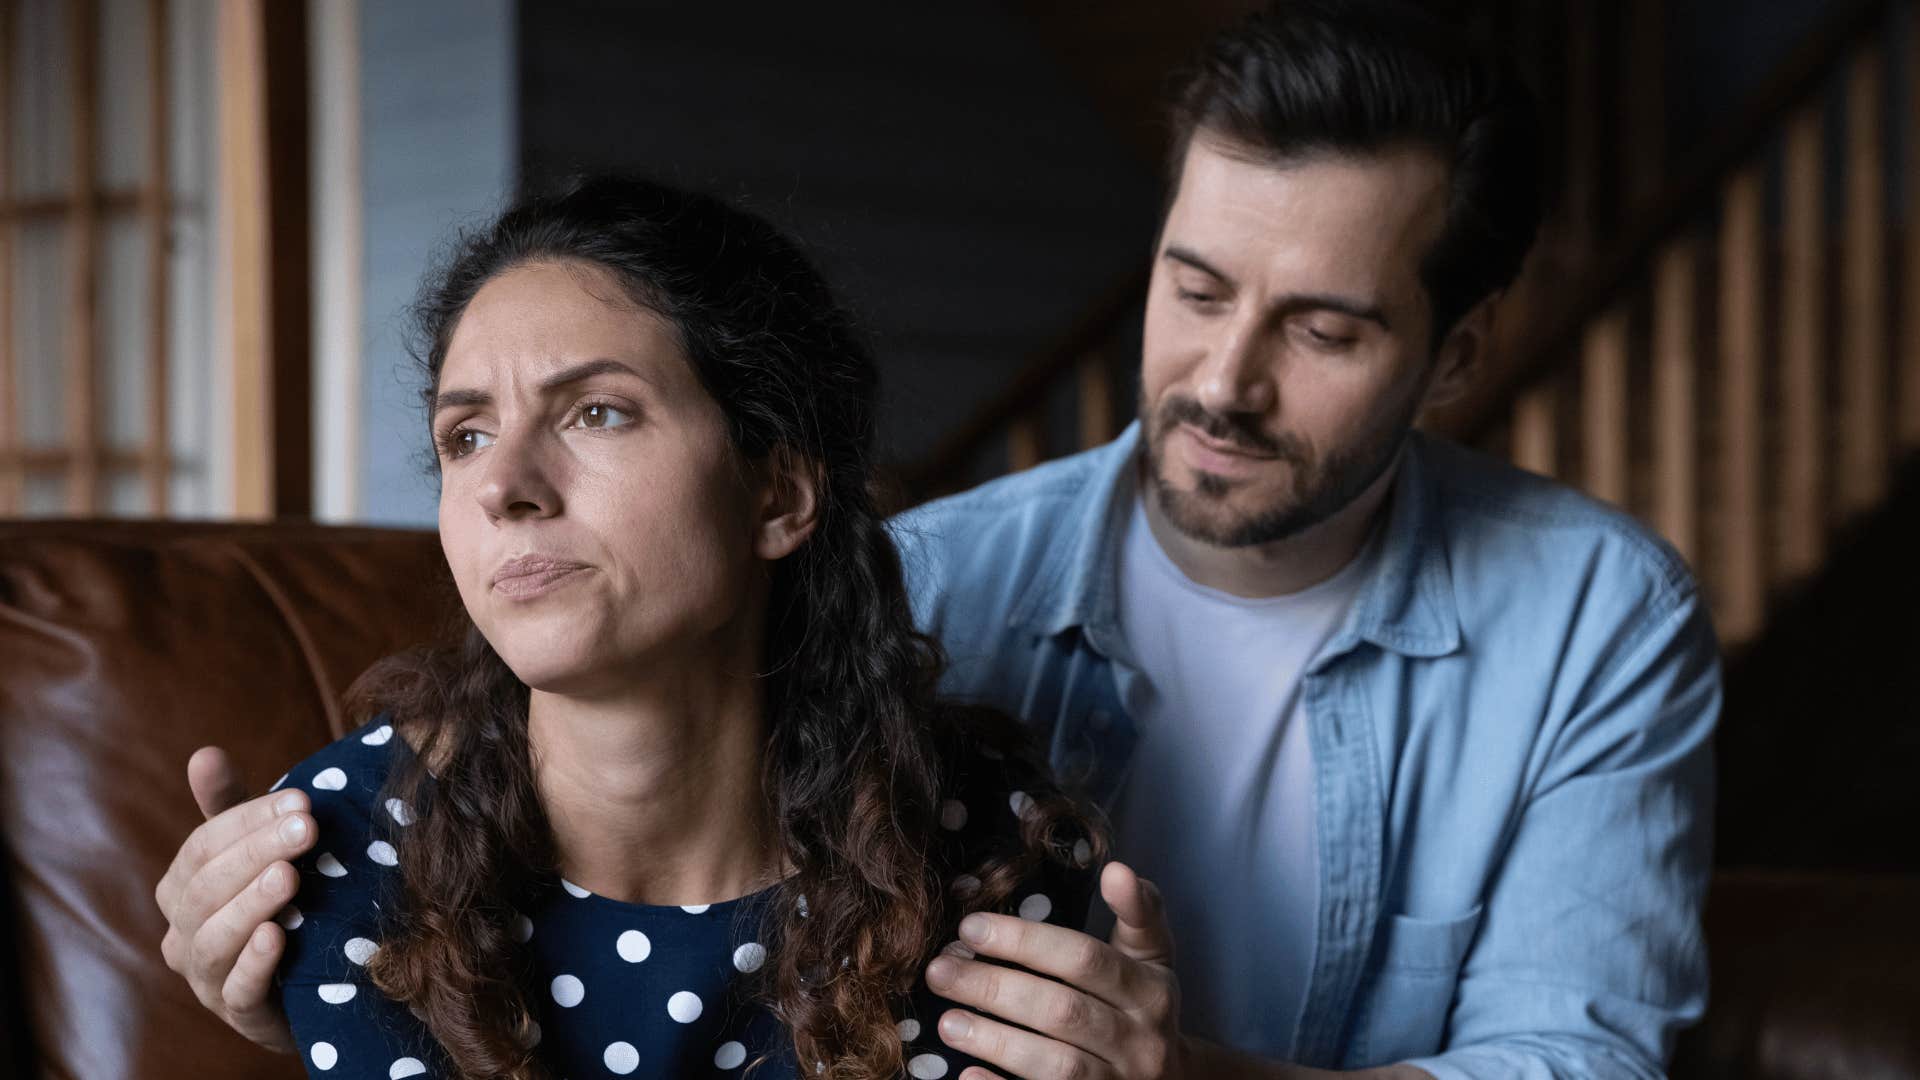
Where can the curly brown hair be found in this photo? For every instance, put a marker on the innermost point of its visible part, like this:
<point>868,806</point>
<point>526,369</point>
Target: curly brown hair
<point>860,753</point>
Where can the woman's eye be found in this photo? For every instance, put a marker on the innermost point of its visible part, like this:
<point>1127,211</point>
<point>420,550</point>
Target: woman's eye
<point>460,442</point>
<point>599,415</point>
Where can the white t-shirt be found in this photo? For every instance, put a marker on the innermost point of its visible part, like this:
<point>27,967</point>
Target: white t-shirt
<point>1217,807</point>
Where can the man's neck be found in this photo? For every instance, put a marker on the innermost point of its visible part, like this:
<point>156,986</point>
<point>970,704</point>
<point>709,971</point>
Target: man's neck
<point>1298,562</point>
<point>655,796</point>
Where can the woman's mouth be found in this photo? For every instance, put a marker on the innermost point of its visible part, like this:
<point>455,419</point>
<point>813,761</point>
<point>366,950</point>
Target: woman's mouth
<point>528,576</point>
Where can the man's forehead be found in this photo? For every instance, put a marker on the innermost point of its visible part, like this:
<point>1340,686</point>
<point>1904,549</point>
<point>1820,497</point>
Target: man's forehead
<point>1233,200</point>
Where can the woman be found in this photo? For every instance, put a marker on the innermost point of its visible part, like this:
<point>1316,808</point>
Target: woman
<point>681,802</point>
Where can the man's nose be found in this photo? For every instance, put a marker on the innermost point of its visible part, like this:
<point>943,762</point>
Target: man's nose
<point>1235,376</point>
<point>519,480</point>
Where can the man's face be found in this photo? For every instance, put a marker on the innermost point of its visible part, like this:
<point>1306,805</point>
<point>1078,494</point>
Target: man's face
<point>1287,349</point>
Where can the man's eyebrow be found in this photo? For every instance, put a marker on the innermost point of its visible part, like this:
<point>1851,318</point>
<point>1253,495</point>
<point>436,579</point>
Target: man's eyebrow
<point>586,369</point>
<point>1292,302</point>
<point>1344,305</point>
<point>1182,255</point>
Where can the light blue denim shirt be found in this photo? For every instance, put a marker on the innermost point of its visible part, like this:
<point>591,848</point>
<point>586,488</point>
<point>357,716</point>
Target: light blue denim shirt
<point>1511,739</point>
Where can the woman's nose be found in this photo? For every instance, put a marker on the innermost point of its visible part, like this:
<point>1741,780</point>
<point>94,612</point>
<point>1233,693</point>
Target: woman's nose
<point>518,482</point>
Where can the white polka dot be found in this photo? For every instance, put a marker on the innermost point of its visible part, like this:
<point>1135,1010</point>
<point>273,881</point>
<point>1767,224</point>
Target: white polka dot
<point>338,993</point>
<point>324,1056</point>
<point>568,991</point>
<point>621,1058</point>
<point>927,1067</point>
<point>331,779</point>
<point>802,905</point>
<point>966,885</point>
<point>1036,908</point>
<point>749,957</point>
<point>399,812</point>
<point>277,783</point>
<point>695,909</point>
<point>406,1067</point>
<point>531,1037</point>
<point>685,1006</point>
<point>290,918</point>
<point>378,736</point>
<point>633,946</point>
<point>360,950</point>
<point>382,852</point>
<point>953,815</point>
<point>1082,853</point>
<point>577,893</point>
<point>1022,804</point>
<point>522,928</point>
<point>729,1056</point>
<point>329,865</point>
<point>909,1029</point>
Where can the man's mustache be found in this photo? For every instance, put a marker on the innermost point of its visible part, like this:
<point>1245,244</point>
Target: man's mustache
<point>1237,429</point>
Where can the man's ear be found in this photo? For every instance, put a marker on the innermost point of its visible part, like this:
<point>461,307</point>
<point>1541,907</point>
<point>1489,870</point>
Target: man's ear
<point>1458,360</point>
<point>789,509</point>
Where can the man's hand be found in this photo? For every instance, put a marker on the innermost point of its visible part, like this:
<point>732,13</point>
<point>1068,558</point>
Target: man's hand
<point>223,890</point>
<point>1096,1009</point>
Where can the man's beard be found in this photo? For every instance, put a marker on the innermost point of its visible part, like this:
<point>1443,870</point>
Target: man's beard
<point>1318,492</point>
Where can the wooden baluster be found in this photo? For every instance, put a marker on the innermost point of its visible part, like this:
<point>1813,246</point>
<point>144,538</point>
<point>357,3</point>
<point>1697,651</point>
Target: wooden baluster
<point>1676,436</point>
<point>1740,565</point>
<point>1863,342</point>
<point>155,208</point>
<point>1024,443</point>
<point>243,209</point>
<point>1603,407</point>
<point>1908,362</point>
<point>11,468</point>
<point>1534,437</point>
<point>1802,509</point>
<point>83,257</point>
<point>1096,401</point>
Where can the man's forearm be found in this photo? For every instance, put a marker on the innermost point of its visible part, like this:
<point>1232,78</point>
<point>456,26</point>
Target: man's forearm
<point>1213,1060</point>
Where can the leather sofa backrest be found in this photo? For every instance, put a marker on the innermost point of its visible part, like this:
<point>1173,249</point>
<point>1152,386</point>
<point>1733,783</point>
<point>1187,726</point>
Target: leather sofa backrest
<point>123,647</point>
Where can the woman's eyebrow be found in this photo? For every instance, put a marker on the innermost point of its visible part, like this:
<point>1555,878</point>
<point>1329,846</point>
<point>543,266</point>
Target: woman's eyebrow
<point>586,369</point>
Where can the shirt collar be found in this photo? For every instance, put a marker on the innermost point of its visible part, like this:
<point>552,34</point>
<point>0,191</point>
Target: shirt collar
<point>1407,605</point>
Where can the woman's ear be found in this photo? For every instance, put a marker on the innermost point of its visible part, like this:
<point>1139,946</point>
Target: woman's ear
<point>790,490</point>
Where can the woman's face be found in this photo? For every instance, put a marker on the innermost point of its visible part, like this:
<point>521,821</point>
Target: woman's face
<point>590,504</point>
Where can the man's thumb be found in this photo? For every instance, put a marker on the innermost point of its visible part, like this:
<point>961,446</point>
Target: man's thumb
<point>1140,919</point>
<point>216,785</point>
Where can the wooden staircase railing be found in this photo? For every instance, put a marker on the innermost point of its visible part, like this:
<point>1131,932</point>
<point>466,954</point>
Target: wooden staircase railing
<point>1734,372</point>
<point>1734,368</point>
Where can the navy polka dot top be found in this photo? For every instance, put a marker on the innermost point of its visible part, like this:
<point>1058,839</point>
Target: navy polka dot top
<point>620,989</point>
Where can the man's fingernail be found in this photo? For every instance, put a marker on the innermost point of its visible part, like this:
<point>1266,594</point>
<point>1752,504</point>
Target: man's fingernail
<point>272,880</point>
<point>262,940</point>
<point>287,803</point>
<point>976,929</point>
<point>293,829</point>
<point>941,972</point>
<point>955,1026</point>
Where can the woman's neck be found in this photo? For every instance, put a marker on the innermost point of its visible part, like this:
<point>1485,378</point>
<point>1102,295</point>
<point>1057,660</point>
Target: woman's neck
<point>654,794</point>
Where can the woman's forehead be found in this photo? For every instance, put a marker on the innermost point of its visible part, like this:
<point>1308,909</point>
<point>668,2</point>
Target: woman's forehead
<point>536,319</point>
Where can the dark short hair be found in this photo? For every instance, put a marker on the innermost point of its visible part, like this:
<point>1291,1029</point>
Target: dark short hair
<point>1306,77</point>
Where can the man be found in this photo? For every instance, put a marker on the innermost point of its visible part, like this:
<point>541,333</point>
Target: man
<point>1415,746</point>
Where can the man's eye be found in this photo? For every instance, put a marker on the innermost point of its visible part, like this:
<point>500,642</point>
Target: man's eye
<point>598,415</point>
<point>1193,297</point>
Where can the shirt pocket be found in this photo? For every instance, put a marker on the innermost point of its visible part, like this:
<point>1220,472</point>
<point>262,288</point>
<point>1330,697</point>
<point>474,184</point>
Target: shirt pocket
<point>1410,987</point>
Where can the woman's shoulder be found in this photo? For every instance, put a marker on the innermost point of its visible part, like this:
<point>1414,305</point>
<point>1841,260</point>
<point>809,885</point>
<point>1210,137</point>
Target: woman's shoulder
<point>1002,807</point>
<point>344,779</point>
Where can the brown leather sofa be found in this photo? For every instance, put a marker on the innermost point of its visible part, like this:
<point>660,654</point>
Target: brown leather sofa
<point>123,646</point>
